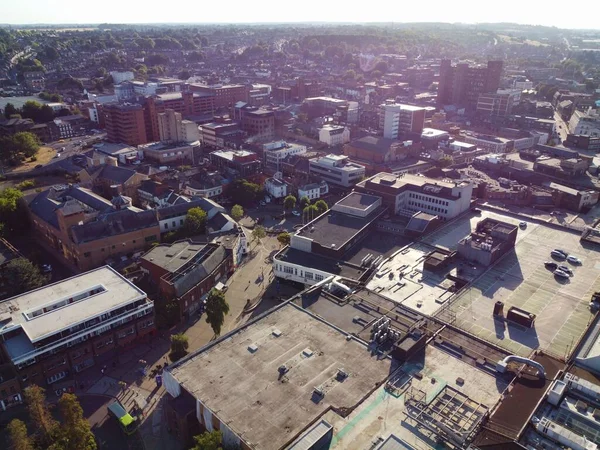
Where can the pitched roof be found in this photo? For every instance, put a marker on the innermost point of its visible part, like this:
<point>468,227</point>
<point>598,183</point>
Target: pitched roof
<point>113,224</point>
<point>116,173</point>
<point>373,144</point>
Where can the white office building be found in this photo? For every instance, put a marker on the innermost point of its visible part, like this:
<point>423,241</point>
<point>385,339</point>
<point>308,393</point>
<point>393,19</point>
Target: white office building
<point>334,135</point>
<point>313,191</point>
<point>337,169</point>
<point>276,188</point>
<point>396,118</point>
<point>276,151</point>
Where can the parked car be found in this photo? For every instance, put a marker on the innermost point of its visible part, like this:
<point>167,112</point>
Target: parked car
<point>558,255</point>
<point>565,269</point>
<point>561,274</point>
<point>551,265</point>
<point>573,259</point>
<point>46,268</point>
<point>262,204</point>
<point>296,213</point>
<point>477,210</point>
<point>39,166</point>
<point>561,251</point>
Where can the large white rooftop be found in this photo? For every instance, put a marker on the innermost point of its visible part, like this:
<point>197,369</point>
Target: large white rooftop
<point>59,306</point>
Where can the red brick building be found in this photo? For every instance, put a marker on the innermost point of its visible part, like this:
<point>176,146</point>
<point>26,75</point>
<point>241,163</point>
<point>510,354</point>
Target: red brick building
<point>224,95</point>
<point>125,123</point>
<point>61,329</point>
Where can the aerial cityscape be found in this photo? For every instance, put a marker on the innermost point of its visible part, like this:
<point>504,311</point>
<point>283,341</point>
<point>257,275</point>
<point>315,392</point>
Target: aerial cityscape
<point>276,232</point>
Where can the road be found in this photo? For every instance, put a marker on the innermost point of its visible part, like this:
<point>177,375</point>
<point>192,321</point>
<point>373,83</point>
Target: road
<point>562,128</point>
<point>73,146</point>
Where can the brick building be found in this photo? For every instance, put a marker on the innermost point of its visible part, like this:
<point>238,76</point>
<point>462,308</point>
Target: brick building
<point>125,123</point>
<point>51,334</point>
<point>461,85</point>
<point>186,271</point>
<point>224,95</point>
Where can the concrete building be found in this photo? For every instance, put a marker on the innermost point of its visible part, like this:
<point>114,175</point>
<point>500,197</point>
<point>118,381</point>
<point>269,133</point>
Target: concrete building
<point>118,77</point>
<point>125,123</point>
<point>491,240</point>
<point>334,135</point>
<point>221,134</point>
<point>500,103</point>
<point>259,124</point>
<point>276,188</point>
<point>123,153</point>
<point>461,85</point>
<point>313,191</point>
<point>186,271</point>
<point>572,199</point>
<point>492,144</point>
<point>336,169</point>
<point>172,128</point>
<point>407,194</point>
<point>275,152</point>
<point>169,153</point>
<point>397,119</point>
<point>585,123</point>
<point>236,163</point>
<point>51,334</point>
<point>286,343</point>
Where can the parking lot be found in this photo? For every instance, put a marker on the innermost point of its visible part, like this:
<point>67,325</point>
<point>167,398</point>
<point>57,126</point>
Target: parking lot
<point>520,279</point>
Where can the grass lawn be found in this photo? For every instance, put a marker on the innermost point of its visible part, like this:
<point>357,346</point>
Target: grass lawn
<point>44,156</point>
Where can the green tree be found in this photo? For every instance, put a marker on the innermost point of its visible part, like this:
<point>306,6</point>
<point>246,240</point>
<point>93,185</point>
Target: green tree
<point>179,347</point>
<point>10,110</point>
<point>321,206</point>
<point>289,202</point>
<point>184,75</point>
<point>19,438</point>
<point>20,275</point>
<point>44,424</point>
<point>284,238</point>
<point>75,432</point>
<point>304,202</point>
<point>31,110</point>
<point>26,143</point>
<point>209,440</point>
<point>237,212</point>
<point>310,213</point>
<point>216,310</point>
<point>445,161</point>
<point>350,74</point>
<point>259,232</point>
<point>195,221</point>
<point>243,192</point>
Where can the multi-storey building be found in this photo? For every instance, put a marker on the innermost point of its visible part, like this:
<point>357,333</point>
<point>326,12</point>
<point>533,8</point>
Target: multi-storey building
<point>313,191</point>
<point>492,144</point>
<point>407,194</point>
<point>396,119</point>
<point>224,95</point>
<point>500,103</point>
<point>275,152</point>
<point>337,169</point>
<point>276,188</point>
<point>236,163</point>
<point>259,124</point>
<point>52,333</point>
<point>125,123</point>
<point>186,271</point>
<point>221,134</point>
<point>334,135</point>
<point>461,85</point>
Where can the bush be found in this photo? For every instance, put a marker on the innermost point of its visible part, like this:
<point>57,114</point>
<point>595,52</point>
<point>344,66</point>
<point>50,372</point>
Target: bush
<point>27,184</point>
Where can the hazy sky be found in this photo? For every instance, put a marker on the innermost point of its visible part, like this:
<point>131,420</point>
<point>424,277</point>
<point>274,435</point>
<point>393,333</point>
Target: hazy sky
<point>581,14</point>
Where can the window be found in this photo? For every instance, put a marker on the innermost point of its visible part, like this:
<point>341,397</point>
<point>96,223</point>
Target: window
<point>113,247</point>
<point>287,269</point>
<point>318,277</point>
<point>150,238</point>
<point>166,226</point>
<point>87,254</point>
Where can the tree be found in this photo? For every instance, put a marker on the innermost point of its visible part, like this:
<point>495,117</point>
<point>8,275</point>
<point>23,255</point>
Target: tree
<point>195,221</point>
<point>209,440</point>
<point>20,275</point>
<point>10,110</point>
<point>18,436</point>
<point>237,212</point>
<point>243,192</point>
<point>381,66</point>
<point>179,346</point>
<point>75,432</point>
<point>259,232</point>
<point>44,424</point>
<point>26,143</point>
<point>284,238</point>
<point>310,213</point>
<point>304,202</point>
<point>445,161</point>
<point>216,310</point>
<point>184,75</point>
<point>289,202</point>
<point>321,206</point>
<point>350,74</point>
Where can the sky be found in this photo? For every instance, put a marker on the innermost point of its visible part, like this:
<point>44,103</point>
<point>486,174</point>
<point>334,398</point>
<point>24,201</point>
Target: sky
<point>535,12</point>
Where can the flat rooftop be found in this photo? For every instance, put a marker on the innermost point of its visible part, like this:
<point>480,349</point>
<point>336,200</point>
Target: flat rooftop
<point>334,228</point>
<point>246,391</point>
<point>358,201</point>
<point>172,257</point>
<point>392,181</point>
<point>384,412</point>
<point>332,266</point>
<point>115,291</point>
<point>520,279</point>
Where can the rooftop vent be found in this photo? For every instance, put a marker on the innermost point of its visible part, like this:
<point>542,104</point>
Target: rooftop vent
<point>252,348</point>
<point>276,332</point>
<point>307,352</point>
<point>318,392</point>
<point>341,375</point>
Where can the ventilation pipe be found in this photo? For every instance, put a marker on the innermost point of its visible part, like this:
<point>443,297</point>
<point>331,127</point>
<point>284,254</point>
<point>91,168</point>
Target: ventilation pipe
<point>501,366</point>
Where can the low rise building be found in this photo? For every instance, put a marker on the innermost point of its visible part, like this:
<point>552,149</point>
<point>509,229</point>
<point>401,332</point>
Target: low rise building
<point>236,163</point>
<point>186,271</point>
<point>221,134</point>
<point>169,154</point>
<point>337,169</point>
<point>572,199</point>
<point>491,240</point>
<point>377,150</point>
<point>313,191</point>
<point>51,334</point>
<point>406,194</point>
<point>492,144</point>
<point>172,218</point>
<point>334,135</point>
<point>275,152</point>
<point>276,188</point>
